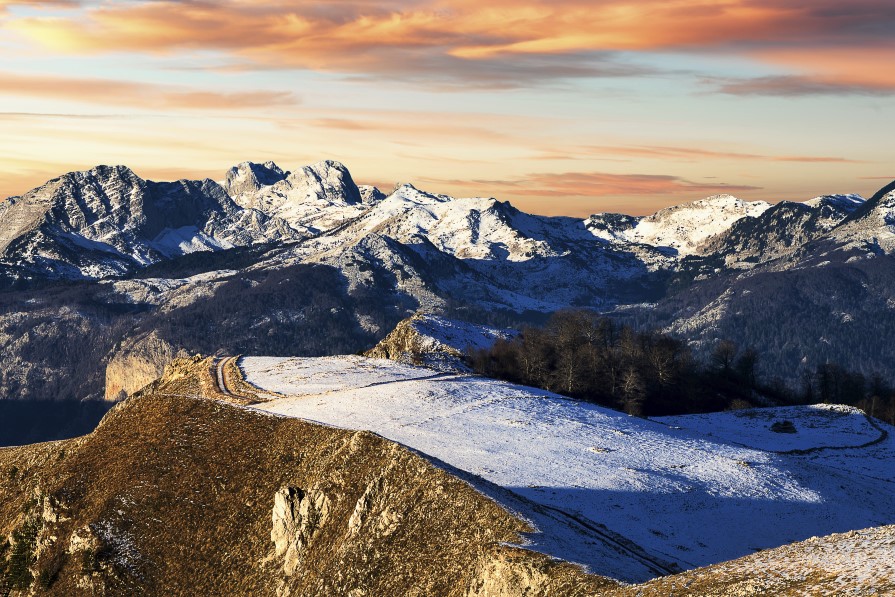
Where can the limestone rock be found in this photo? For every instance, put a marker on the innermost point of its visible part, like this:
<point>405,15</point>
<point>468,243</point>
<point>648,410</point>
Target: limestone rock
<point>372,511</point>
<point>137,363</point>
<point>297,517</point>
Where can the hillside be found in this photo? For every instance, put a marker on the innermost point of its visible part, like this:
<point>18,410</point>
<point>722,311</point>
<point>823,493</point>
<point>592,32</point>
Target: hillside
<point>175,494</point>
<point>853,563</point>
<point>198,485</point>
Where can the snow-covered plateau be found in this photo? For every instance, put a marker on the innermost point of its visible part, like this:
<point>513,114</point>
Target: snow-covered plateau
<point>627,497</point>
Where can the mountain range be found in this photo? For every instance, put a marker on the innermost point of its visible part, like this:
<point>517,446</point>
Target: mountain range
<point>308,262</point>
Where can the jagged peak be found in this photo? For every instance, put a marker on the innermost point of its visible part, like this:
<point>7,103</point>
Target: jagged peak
<point>324,167</point>
<point>370,194</point>
<point>247,177</point>
<point>100,173</point>
<point>326,179</point>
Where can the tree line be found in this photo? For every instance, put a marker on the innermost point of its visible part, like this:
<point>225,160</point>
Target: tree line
<point>645,373</point>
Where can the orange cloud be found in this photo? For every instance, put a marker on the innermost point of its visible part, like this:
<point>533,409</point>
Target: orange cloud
<point>500,42</point>
<point>132,94</point>
<point>864,69</point>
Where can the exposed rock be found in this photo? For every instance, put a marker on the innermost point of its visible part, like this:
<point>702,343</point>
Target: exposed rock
<point>373,512</point>
<point>436,342</point>
<point>297,516</point>
<point>510,572</point>
<point>52,511</point>
<point>108,221</point>
<point>370,194</point>
<point>502,576</point>
<point>247,178</point>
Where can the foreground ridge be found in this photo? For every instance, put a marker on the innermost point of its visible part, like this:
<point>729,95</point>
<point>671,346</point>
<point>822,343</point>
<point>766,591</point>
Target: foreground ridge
<point>191,466</point>
<point>295,508</point>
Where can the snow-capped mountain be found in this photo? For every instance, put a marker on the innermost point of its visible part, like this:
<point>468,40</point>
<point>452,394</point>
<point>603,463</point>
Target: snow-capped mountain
<point>780,229</point>
<point>870,229</point>
<point>311,199</point>
<point>480,248</point>
<point>109,221</point>
<point>682,228</point>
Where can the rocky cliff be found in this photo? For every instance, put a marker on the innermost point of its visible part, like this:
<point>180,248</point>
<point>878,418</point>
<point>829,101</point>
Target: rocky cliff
<point>137,363</point>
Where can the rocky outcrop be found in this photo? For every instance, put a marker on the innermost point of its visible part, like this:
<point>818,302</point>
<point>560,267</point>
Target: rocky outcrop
<point>247,178</point>
<point>436,342</point>
<point>509,572</point>
<point>297,517</point>
<point>370,194</point>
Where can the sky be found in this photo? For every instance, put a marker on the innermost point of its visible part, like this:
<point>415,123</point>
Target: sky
<point>564,107</point>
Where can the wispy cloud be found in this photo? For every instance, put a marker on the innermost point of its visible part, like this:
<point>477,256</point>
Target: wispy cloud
<point>797,86</point>
<point>134,94</point>
<point>595,184</point>
<point>665,152</point>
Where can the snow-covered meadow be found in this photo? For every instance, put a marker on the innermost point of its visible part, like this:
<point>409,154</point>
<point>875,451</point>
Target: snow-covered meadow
<point>629,498</point>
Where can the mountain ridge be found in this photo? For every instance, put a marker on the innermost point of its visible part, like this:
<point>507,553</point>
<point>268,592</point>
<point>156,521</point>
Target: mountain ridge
<point>141,255</point>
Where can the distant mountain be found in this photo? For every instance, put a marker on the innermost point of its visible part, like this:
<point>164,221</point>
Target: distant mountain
<point>682,228</point>
<point>310,200</point>
<point>108,221</point>
<point>305,261</point>
<point>780,229</point>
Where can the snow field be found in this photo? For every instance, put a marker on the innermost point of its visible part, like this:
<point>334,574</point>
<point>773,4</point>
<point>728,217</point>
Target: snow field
<point>683,490</point>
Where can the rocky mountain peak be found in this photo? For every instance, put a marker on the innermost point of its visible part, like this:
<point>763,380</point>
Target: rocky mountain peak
<point>249,177</point>
<point>871,226</point>
<point>846,203</point>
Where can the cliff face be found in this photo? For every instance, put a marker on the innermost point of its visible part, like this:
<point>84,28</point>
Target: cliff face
<point>138,362</point>
<point>184,496</point>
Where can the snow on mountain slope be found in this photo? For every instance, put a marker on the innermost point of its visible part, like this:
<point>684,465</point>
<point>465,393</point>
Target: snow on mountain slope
<point>645,494</point>
<point>858,562</point>
<point>482,250</point>
<point>244,180</point>
<point>871,229</point>
<point>847,203</point>
<point>818,426</point>
<point>780,230</point>
<point>682,228</point>
<point>437,333</point>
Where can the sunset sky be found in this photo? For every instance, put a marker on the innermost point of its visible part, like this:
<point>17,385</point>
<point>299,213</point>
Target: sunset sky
<point>562,107</point>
